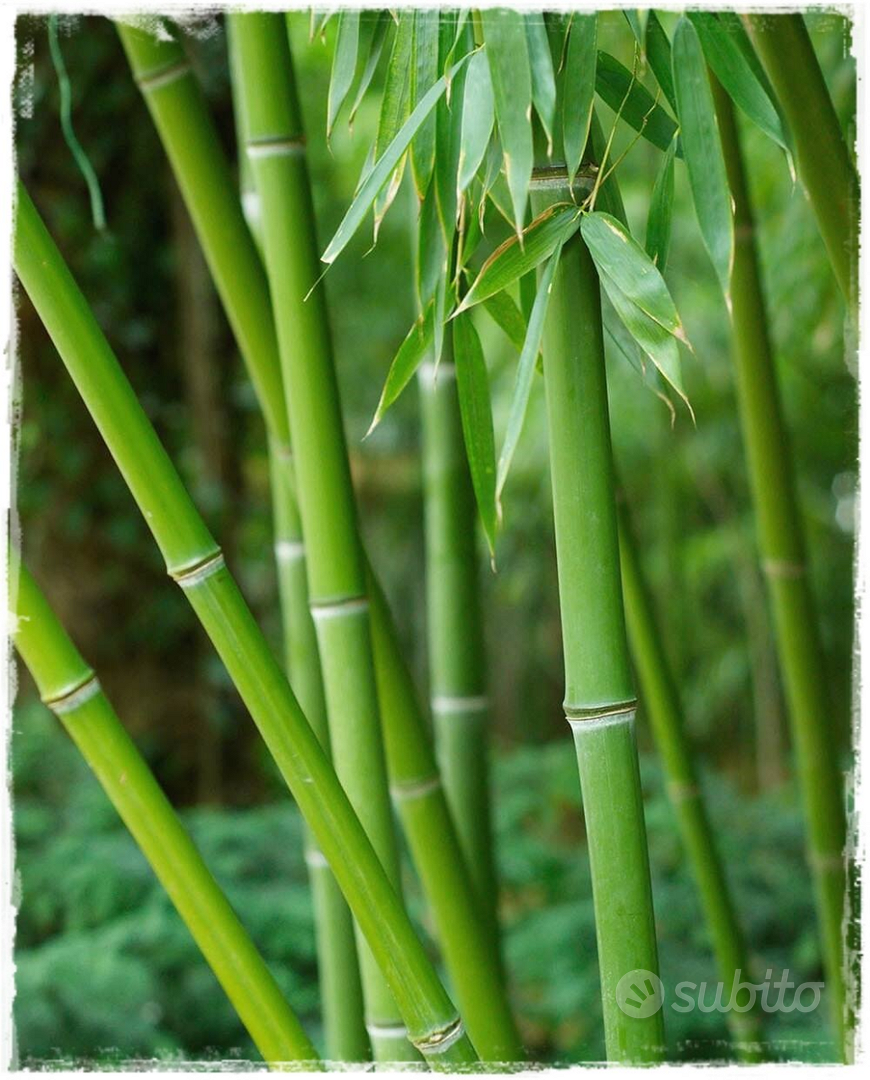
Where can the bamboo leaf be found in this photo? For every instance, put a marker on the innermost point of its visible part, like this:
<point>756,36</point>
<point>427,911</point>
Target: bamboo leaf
<point>557,224</point>
<point>625,262</point>
<point>382,169</point>
<point>478,117</point>
<point>609,198</point>
<point>508,55</point>
<point>431,251</point>
<point>344,63</point>
<point>543,77</point>
<point>731,67</point>
<point>448,135</point>
<point>578,89</point>
<point>405,363</point>
<point>658,224</point>
<point>703,151</point>
<point>525,371</point>
<point>616,87</point>
<point>424,73</point>
<point>379,37</point>
<point>395,106</point>
<point>504,312</point>
<point>472,383</point>
<point>658,54</point>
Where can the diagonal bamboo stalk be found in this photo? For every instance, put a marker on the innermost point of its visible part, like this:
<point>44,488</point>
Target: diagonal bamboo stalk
<point>178,108</point>
<point>472,965</point>
<point>824,163</point>
<point>195,562</point>
<point>783,557</point>
<point>600,703</point>
<point>69,687</point>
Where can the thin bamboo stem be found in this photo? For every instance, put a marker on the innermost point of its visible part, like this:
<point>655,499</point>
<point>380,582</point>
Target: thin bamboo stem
<point>783,557</point>
<point>336,574</point>
<point>823,160</point>
<point>69,687</point>
<point>188,134</point>
<point>661,702</point>
<point>457,662</point>
<point>599,697</point>
<point>194,561</point>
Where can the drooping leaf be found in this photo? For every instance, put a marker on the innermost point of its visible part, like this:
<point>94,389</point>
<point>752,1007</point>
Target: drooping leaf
<point>617,254</point>
<point>525,372</point>
<point>618,340</point>
<point>448,147</point>
<point>609,198</point>
<point>702,149</point>
<point>504,312</point>
<point>616,87</point>
<point>382,169</point>
<point>472,383</point>
<point>431,251</point>
<point>508,55</point>
<point>658,55</point>
<point>578,88</point>
<point>543,77</point>
<point>731,67</point>
<point>395,108</point>
<point>509,261</point>
<point>376,48</point>
<point>478,117</point>
<point>344,63</point>
<point>660,346</point>
<point>424,73</point>
<point>661,206</point>
<point>405,363</point>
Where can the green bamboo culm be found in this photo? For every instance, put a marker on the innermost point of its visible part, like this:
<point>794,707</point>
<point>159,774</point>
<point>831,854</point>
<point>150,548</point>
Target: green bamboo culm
<point>457,663</point>
<point>429,829</point>
<point>194,560</point>
<point>69,687</point>
<point>824,163</point>
<point>784,561</point>
<point>661,703</point>
<point>336,571</point>
<point>190,139</point>
<point>600,703</point>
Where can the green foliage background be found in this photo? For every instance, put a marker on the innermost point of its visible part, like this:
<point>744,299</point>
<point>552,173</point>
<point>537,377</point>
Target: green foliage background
<point>105,970</point>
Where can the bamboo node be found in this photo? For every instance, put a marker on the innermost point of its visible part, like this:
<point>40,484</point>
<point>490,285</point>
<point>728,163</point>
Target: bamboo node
<point>387,1031</point>
<point>439,1041</point>
<point>289,550</point>
<point>336,609</point>
<point>406,790</point>
<point>598,712</point>
<point>195,575</point>
<point>446,704</point>
<point>162,77</point>
<point>610,718</point>
<point>70,700</point>
<point>283,147</point>
<point>783,568</point>
<point>429,372</point>
<point>315,859</point>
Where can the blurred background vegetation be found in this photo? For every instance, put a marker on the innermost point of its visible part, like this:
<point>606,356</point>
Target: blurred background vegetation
<point>105,969</point>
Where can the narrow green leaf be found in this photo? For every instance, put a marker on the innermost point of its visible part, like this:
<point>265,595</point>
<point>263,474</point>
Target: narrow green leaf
<point>639,108</point>
<point>504,312</point>
<point>703,151</point>
<point>382,169</point>
<point>424,73</point>
<point>609,198</point>
<point>431,251</point>
<point>661,206</point>
<point>344,63</point>
<point>395,107</point>
<point>508,55</point>
<point>618,255</point>
<point>658,55</point>
<point>732,69</point>
<point>525,371</point>
<point>512,259</point>
<point>405,363</point>
<point>478,117</point>
<point>379,37</point>
<point>543,77</point>
<point>472,383</point>
<point>578,88</point>
<point>660,346</point>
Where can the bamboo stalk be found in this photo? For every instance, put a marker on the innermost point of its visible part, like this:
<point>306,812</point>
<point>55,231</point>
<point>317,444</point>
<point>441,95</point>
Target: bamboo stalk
<point>823,160</point>
<point>336,573</point>
<point>783,557</point>
<point>191,142</point>
<point>661,702</point>
<point>429,829</point>
<point>600,702</point>
<point>457,663</point>
<point>69,687</point>
<point>193,559</point>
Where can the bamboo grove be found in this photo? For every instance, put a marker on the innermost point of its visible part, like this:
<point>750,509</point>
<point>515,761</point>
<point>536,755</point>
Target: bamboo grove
<point>493,119</point>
